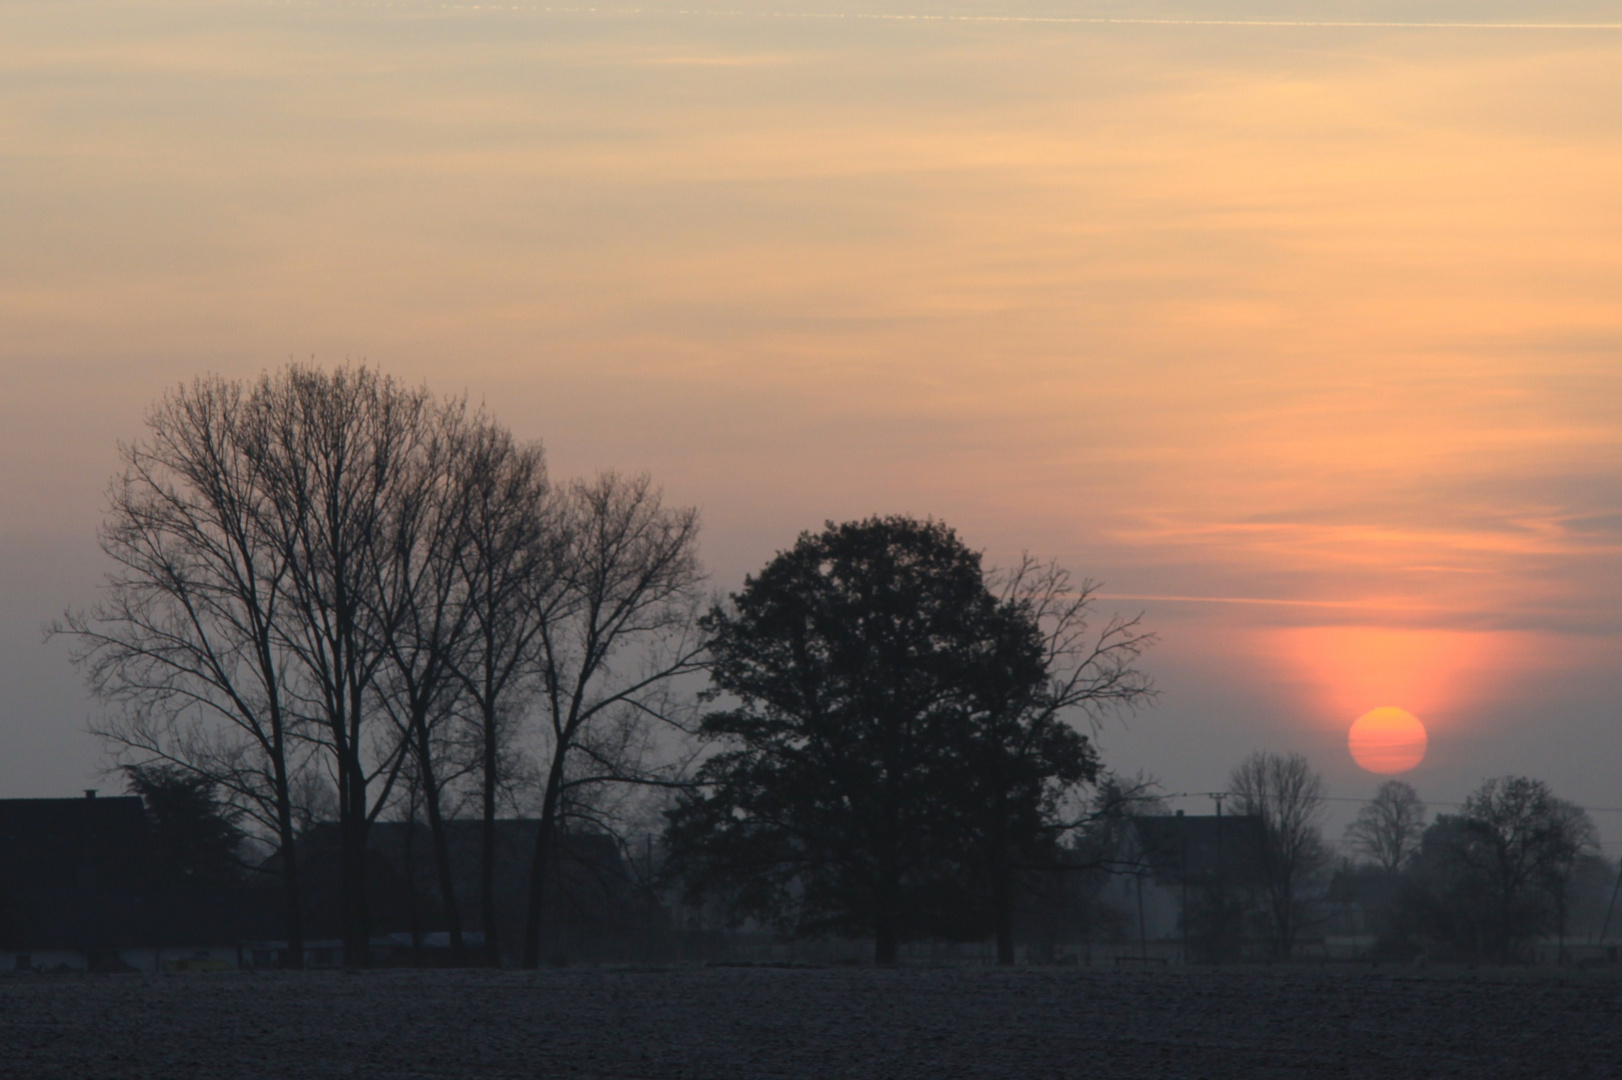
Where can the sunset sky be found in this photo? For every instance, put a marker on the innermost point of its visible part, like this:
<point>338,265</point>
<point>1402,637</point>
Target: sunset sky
<point>1306,340</point>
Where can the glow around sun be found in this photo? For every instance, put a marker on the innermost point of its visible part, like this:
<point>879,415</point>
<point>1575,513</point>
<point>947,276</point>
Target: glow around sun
<point>1387,740</point>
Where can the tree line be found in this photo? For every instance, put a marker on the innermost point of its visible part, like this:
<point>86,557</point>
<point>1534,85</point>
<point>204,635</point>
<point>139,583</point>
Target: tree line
<point>328,580</point>
<point>1482,883</point>
<point>338,597</point>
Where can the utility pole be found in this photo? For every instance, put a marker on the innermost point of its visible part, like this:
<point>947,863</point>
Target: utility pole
<point>1220,923</point>
<point>1182,874</point>
<point>1611,907</point>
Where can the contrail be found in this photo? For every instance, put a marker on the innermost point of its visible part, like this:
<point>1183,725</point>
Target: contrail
<point>1054,20</point>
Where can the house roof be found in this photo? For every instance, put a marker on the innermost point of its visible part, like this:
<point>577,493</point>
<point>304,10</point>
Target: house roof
<point>72,843</point>
<point>1189,847</point>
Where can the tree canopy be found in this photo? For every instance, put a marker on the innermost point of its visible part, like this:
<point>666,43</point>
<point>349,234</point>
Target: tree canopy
<point>896,749</point>
<point>196,837</point>
<point>328,579</point>
<point>1493,876</point>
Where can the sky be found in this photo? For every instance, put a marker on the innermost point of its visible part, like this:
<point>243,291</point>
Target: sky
<point>1298,330</point>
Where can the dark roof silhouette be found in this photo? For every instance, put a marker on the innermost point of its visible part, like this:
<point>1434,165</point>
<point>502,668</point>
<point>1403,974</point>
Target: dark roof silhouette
<point>81,874</point>
<point>1188,847</point>
<point>72,843</point>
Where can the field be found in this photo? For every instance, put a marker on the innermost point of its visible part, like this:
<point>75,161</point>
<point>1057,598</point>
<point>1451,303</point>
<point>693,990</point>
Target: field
<point>857,1023</point>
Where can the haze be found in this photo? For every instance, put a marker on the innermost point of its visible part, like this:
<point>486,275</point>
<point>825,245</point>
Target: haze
<point>1305,339</point>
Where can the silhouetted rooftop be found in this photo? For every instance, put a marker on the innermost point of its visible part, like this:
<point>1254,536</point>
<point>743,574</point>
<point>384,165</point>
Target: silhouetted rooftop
<point>83,843</point>
<point>1195,847</point>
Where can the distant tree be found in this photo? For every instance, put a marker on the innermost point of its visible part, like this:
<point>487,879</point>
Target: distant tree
<point>1388,828</point>
<point>896,753</point>
<point>1519,838</point>
<point>1571,837</point>
<point>1288,796</point>
<point>196,838</point>
<point>1489,879</point>
<point>1068,900</point>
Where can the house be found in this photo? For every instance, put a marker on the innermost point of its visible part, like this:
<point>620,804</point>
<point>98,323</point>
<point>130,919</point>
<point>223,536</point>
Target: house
<point>1186,882</point>
<point>78,892</point>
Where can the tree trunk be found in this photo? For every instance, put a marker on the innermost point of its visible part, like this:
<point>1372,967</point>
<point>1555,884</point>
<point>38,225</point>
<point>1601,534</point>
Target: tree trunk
<point>442,857</point>
<point>487,847</point>
<point>538,867</point>
<point>352,829</point>
<point>887,914</point>
<point>292,910</point>
<point>1003,902</point>
<point>419,958</point>
<point>1002,896</point>
<point>885,942</point>
<point>292,903</point>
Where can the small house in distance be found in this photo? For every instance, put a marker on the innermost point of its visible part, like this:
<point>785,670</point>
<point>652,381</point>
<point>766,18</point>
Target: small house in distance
<point>1186,882</point>
<point>78,893</point>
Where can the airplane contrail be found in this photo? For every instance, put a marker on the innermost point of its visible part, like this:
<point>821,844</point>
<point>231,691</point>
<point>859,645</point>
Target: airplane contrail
<point>1058,20</point>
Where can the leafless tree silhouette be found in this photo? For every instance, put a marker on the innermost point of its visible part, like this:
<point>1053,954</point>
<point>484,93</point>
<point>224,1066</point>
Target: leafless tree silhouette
<point>619,629</point>
<point>1288,796</point>
<point>1388,827</point>
<point>186,640</point>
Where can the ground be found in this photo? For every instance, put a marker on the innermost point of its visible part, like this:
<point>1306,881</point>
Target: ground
<point>727,1023</point>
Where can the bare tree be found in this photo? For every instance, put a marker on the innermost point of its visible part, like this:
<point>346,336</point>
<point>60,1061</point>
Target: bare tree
<point>616,633</point>
<point>342,452</point>
<point>1028,760</point>
<point>418,605</point>
<point>184,641</point>
<point>1569,837</point>
<point>325,575</point>
<point>1288,796</point>
<point>511,560</point>
<point>1515,839</point>
<point>1389,826</point>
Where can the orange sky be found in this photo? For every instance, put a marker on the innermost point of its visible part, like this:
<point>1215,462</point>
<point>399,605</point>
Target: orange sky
<point>1317,327</point>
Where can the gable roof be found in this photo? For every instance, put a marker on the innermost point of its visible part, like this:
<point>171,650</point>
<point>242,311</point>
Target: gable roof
<point>1189,847</point>
<point>72,843</point>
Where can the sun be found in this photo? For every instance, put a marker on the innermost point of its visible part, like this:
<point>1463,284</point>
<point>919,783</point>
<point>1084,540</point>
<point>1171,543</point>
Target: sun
<point>1387,740</point>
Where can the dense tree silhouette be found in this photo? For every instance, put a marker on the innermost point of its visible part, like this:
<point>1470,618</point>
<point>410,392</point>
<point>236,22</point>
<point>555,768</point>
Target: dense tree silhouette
<point>196,838</point>
<point>895,753</point>
<point>1490,878</point>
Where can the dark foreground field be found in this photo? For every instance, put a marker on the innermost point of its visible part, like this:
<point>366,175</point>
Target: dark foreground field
<point>746,1023</point>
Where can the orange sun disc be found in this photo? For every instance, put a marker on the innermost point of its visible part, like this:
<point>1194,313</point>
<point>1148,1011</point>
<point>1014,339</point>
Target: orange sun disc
<point>1387,740</point>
